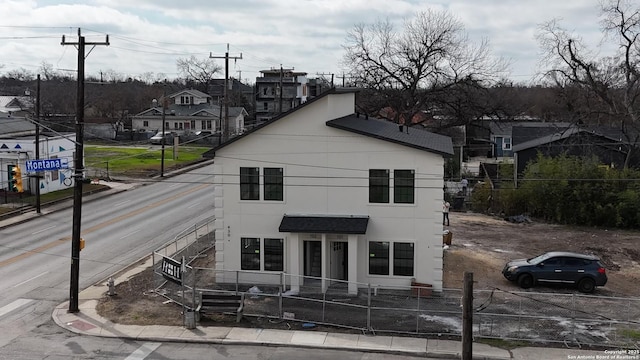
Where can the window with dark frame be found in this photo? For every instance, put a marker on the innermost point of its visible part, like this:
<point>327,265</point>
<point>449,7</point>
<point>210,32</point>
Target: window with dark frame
<point>378,258</point>
<point>273,254</point>
<point>273,184</point>
<point>403,256</point>
<point>250,254</point>
<point>379,186</point>
<point>249,183</point>
<point>403,186</point>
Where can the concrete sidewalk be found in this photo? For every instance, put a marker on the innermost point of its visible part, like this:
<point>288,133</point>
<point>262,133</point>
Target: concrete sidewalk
<point>88,322</point>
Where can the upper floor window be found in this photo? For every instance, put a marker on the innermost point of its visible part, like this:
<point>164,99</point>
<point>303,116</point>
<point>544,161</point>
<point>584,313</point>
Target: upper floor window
<point>249,183</point>
<point>403,186</point>
<point>273,184</point>
<point>378,186</point>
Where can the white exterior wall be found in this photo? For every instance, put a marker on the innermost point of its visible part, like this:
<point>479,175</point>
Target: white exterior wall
<point>326,172</point>
<point>50,148</point>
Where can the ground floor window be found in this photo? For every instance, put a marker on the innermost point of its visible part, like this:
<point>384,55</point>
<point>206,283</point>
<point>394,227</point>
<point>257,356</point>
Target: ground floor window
<point>273,255</point>
<point>250,254</point>
<point>403,259</point>
<point>251,250</point>
<point>383,261</point>
<point>379,258</point>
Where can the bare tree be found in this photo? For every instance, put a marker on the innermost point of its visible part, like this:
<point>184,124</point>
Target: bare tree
<point>197,72</point>
<point>611,83</point>
<point>430,64</point>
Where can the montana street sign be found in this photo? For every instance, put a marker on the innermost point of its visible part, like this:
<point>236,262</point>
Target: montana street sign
<point>47,165</point>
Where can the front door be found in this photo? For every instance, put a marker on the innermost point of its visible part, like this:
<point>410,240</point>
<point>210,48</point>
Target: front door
<point>338,258</point>
<point>312,258</point>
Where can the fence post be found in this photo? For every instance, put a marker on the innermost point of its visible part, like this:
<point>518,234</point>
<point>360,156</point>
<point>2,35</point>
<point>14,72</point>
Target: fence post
<point>237,280</point>
<point>418,315</point>
<point>281,300</point>
<point>573,316</point>
<point>368,306</point>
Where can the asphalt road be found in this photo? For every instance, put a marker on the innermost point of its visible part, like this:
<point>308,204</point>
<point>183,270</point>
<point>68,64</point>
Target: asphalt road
<point>119,229</point>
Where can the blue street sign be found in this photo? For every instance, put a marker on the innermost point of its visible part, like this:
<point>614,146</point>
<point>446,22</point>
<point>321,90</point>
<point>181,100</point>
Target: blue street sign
<point>47,165</point>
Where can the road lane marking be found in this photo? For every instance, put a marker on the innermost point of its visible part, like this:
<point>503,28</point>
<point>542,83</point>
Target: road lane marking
<point>129,234</point>
<point>14,305</point>
<point>193,205</point>
<point>121,203</point>
<point>43,230</point>
<point>97,227</point>
<point>33,278</point>
<point>143,351</point>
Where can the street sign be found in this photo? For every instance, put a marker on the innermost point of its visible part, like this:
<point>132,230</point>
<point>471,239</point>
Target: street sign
<point>47,165</point>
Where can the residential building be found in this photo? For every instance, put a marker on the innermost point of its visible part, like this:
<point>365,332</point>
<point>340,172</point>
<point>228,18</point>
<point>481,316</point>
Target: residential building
<point>17,146</point>
<point>278,91</point>
<point>188,111</point>
<point>323,192</point>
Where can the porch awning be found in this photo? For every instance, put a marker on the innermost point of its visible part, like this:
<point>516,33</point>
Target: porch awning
<point>324,224</point>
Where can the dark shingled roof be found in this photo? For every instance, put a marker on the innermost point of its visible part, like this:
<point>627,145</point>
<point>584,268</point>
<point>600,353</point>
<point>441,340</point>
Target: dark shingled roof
<point>388,131</point>
<point>328,224</point>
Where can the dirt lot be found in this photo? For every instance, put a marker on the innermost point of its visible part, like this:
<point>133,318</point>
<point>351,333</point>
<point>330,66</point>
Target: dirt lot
<point>481,244</point>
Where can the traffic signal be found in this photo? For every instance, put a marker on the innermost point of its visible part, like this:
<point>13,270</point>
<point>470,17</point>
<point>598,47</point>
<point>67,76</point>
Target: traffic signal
<point>17,179</point>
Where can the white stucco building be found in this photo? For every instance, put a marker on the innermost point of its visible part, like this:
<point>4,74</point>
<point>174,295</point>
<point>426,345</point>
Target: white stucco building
<point>321,191</point>
<point>18,150</point>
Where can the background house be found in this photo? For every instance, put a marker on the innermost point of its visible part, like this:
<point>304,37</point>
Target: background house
<point>188,111</point>
<point>323,192</point>
<point>606,144</point>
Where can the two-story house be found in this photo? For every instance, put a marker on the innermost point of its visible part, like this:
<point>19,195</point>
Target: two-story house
<point>323,192</point>
<point>188,111</point>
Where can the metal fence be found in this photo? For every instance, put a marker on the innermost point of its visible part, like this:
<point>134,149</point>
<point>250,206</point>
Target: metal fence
<point>532,316</point>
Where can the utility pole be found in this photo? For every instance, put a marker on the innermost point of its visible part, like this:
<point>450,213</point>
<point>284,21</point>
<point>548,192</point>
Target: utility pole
<point>225,123</point>
<point>280,91</point>
<point>164,102</point>
<point>341,77</point>
<point>467,317</point>
<point>38,210</point>
<point>323,74</point>
<point>78,173</point>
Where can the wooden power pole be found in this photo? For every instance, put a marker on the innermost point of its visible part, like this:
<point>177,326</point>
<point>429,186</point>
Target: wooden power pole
<point>78,173</point>
<point>224,124</point>
<point>467,317</point>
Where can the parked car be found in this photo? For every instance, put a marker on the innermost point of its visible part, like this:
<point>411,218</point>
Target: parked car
<point>157,138</point>
<point>585,271</point>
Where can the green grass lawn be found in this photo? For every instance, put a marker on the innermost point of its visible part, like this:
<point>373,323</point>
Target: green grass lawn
<point>137,161</point>
<point>105,161</point>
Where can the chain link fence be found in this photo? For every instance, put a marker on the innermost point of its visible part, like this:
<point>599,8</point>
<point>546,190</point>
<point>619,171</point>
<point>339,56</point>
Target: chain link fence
<point>412,310</point>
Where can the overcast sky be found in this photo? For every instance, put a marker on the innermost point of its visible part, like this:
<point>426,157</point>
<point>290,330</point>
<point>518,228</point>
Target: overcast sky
<point>307,35</point>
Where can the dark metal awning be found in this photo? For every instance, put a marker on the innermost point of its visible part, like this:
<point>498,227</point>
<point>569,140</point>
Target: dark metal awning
<point>327,224</point>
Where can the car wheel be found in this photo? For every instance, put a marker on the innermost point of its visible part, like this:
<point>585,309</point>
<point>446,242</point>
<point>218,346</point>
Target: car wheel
<point>586,285</point>
<point>525,281</point>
